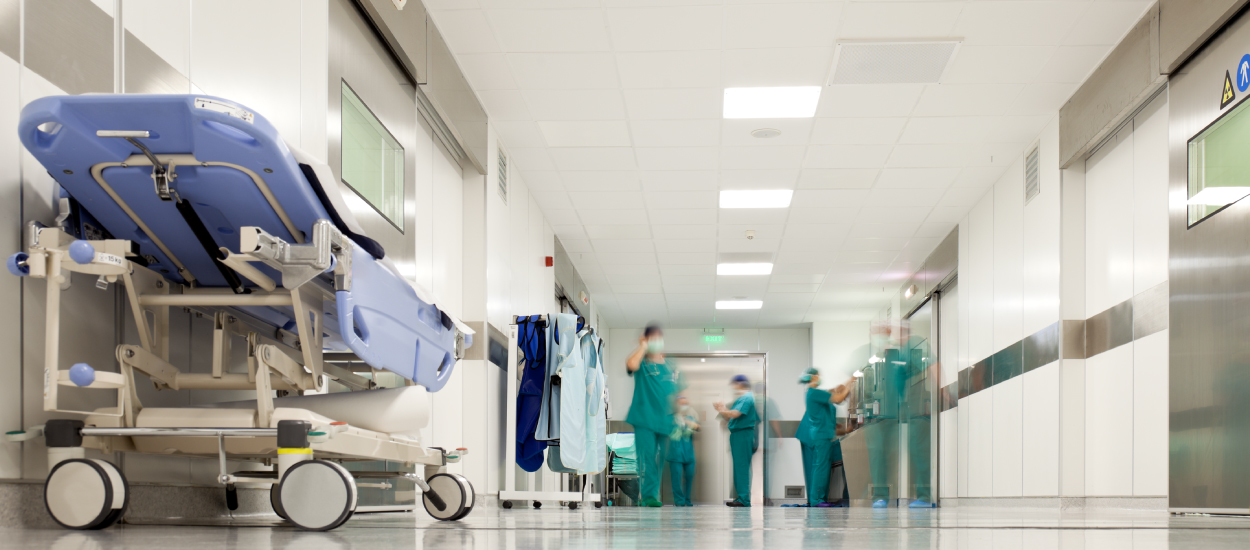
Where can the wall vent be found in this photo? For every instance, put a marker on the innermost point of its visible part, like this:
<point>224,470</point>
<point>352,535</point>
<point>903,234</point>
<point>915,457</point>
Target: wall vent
<point>1032,179</point>
<point>876,62</point>
<point>795,491</point>
<point>503,175</point>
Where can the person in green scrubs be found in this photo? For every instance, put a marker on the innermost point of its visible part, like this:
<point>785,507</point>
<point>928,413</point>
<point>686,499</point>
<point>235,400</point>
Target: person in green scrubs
<point>742,440</point>
<point>681,452</point>
<point>651,412</point>
<point>815,434</point>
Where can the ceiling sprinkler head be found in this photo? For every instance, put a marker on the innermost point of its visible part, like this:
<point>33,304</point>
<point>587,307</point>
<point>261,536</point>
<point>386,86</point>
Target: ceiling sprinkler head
<point>765,133</point>
<point>750,234</point>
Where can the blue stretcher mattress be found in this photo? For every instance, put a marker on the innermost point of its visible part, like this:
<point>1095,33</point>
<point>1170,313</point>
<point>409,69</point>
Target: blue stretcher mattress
<point>382,319</point>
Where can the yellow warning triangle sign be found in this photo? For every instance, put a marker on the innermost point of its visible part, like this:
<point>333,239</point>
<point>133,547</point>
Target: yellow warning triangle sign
<point>1228,95</point>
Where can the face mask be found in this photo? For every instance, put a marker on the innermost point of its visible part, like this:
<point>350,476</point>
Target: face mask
<point>655,345</point>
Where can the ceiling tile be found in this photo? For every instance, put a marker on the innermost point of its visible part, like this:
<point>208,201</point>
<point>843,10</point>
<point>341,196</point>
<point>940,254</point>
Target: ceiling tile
<point>640,270</point>
<point>810,279</point>
<point>593,158</point>
<point>996,64</point>
<point>684,245</point>
<point>758,179</point>
<point>950,214</point>
<point>967,99</point>
<point>830,198</point>
<point>575,104</point>
<point>846,156</point>
<point>541,180</point>
<point>772,231</point>
<point>676,133</point>
<point>531,4</point>
<point>600,180</point>
<point>681,232</point>
<point>678,180</point>
<point>867,256</point>
<point>685,258</point>
<point>619,245</point>
<point>892,230</point>
<point>776,66</point>
<point>689,280</point>
<point>917,178</point>
<point>560,30</point>
<point>876,214</point>
<point>608,232</point>
<point>1105,23</point>
<point>682,217</point>
<point>940,155</point>
<point>530,158</point>
<point>669,104</point>
<point>834,178</point>
<point>616,217</point>
<point>676,158</point>
<point>895,20</point>
<point>759,158</point>
<point>519,133</point>
<point>813,244</point>
<point>789,25</point>
<point>1041,99</point>
<point>877,101</point>
<point>703,269</point>
<point>633,289</point>
<point>979,176</point>
<point>962,196</point>
<point>802,257</point>
<point>569,232</point>
<point>606,200</point>
<point>585,133</point>
<point>622,282</point>
<point>564,71</point>
<point>680,199</point>
<point>890,244</point>
<point>794,288</point>
<point>934,230</point>
<point>466,31</point>
<point>853,131</point>
<point>487,71</point>
<point>505,104</point>
<point>737,131</point>
<point>753,216</point>
<point>680,69</point>
<point>829,230</point>
<point>575,245</point>
<point>666,28</point>
<point>563,217</point>
<point>1017,23</point>
<point>821,215</point>
<point>742,244</point>
<point>1072,64</point>
<point>882,197</point>
<point>611,260</point>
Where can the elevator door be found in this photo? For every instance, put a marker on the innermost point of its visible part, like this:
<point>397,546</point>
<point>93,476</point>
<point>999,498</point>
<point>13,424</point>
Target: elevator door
<point>707,381</point>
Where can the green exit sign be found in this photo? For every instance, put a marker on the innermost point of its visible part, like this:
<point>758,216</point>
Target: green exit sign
<point>713,338</point>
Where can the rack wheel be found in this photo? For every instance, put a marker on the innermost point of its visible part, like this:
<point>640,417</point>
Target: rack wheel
<point>507,504</point>
<point>537,505</point>
<point>454,492</point>
<point>86,494</point>
<point>275,503</point>
<point>598,505</point>
<point>572,506</point>
<point>317,495</point>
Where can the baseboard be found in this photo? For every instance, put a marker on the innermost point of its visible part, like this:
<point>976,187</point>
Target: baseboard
<point>1060,503</point>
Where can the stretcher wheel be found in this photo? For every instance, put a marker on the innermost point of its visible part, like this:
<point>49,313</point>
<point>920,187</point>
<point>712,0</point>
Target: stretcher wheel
<point>598,505</point>
<point>537,504</point>
<point>275,502</point>
<point>456,494</point>
<point>317,495</point>
<point>507,504</point>
<point>86,494</point>
<point>572,506</point>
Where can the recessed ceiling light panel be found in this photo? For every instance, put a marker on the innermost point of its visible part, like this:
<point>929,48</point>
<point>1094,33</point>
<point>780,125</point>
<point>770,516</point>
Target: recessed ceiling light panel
<point>763,198</point>
<point>739,304</point>
<point>777,102</point>
<point>881,62</point>
<point>744,269</point>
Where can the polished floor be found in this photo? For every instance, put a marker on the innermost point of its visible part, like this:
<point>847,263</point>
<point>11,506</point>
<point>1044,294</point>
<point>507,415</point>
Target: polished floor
<point>689,529</point>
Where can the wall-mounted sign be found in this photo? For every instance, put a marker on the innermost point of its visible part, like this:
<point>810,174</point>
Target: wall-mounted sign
<point>1227,96</point>
<point>713,338</point>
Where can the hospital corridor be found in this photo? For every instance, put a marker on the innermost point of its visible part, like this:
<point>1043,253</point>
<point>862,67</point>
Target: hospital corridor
<point>637,274</point>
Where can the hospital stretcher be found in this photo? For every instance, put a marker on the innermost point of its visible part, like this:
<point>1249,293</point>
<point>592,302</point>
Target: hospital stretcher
<point>196,202</point>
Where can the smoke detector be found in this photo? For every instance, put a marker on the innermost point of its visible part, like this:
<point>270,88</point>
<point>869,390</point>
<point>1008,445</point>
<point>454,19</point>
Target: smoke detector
<point>750,234</point>
<point>765,133</point>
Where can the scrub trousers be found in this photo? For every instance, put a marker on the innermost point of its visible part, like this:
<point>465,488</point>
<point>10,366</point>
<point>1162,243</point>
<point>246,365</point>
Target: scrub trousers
<point>742,445</point>
<point>652,447</point>
<point>682,476</point>
<point>918,445</point>
<point>817,465</point>
<point>882,439</point>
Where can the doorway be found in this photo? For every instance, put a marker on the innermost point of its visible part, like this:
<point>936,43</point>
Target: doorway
<point>707,381</point>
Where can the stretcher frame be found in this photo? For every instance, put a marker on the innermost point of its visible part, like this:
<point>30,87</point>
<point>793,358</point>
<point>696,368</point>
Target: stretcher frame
<point>510,492</point>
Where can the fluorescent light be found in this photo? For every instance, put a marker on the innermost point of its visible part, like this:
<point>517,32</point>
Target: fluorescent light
<point>764,198</point>
<point>779,102</point>
<point>739,304</point>
<point>1213,196</point>
<point>744,269</point>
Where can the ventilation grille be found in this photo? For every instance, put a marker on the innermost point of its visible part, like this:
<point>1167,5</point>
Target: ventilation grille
<point>1032,180</point>
<point>891,62</point>
<point>795,491</point>
<point>503,176</point>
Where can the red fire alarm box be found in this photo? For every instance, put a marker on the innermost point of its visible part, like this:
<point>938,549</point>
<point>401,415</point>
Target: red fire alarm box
<point>550,261</point>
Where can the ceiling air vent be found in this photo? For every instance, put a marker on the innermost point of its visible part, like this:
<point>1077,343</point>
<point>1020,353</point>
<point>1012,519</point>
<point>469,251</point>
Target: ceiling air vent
<point>880,62</point>
<point>503,175</point>
<point>1032,179</point>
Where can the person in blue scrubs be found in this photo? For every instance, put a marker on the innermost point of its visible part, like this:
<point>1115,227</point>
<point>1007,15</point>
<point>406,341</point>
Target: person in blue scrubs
<point>742,438</point>
<point>651,412</point>
<point>816,433</point>
<point>681,452</point>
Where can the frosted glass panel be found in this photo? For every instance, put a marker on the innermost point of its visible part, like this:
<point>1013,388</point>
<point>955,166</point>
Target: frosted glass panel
<point>1219,164</point>
<point>373,160</point>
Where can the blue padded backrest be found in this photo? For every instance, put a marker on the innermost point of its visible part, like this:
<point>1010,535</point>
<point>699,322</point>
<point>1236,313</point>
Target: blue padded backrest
<point>223,197</point>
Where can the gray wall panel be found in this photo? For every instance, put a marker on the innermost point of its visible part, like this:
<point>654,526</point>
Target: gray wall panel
<point>147,73</point>
<point>10,28</point>
<point>1209,308</point>
<point>70,43</point>
<point>1185,25</point>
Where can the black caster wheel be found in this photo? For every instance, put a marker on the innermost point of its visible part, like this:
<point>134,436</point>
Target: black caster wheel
<point>453,492</point>
<point>598,505</point>
<point>317,495</point>
<point>537,505</point>
<point>507,504</point>
<point>86,494</point>
<point>572,506</point>
<point>276,503</point>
